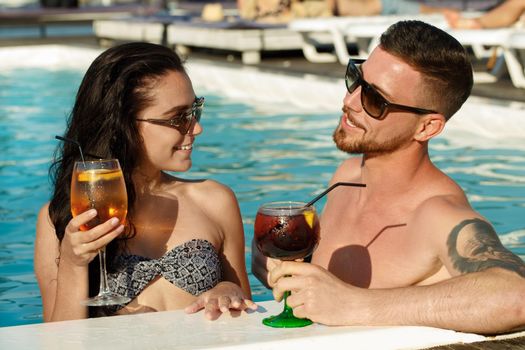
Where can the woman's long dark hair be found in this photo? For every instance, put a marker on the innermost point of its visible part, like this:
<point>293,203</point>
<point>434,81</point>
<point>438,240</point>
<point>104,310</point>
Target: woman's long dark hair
<point>115,88</point>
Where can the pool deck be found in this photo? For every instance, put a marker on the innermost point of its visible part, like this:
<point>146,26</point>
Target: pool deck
<point>291,62</point>
<point>45,17</point>
<point>176,330</point>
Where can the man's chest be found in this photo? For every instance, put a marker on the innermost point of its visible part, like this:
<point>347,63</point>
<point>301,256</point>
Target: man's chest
<point>376,249</point>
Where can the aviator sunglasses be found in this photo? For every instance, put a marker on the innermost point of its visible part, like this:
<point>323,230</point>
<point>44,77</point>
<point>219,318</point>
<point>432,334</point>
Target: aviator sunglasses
<point>183,121</point>
<point>372,101</point>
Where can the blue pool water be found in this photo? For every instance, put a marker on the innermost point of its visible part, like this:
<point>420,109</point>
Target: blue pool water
<point>261,154</point>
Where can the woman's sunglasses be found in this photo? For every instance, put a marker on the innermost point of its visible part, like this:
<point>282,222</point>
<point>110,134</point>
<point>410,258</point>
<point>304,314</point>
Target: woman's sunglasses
<point>182,122</point>
<point>373,103</point>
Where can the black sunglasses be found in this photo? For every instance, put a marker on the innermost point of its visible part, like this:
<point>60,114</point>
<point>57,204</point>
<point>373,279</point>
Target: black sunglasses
<point>372,101</point>
<point>183,121</point>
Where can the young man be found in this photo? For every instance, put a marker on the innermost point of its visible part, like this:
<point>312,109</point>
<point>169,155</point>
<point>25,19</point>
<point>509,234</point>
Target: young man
<point>408,249</point>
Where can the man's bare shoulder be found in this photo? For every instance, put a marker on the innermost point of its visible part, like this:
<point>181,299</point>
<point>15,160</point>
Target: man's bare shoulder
<point>462,238</point>
<point>441,198</point>
<point>440,211</point>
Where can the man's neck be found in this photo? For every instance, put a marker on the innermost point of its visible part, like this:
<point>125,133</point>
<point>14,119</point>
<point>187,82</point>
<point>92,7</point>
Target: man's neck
<point>394,172</point>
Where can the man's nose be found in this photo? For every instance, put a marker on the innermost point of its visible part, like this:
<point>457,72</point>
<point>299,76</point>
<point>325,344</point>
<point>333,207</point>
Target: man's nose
<point>353,100</point>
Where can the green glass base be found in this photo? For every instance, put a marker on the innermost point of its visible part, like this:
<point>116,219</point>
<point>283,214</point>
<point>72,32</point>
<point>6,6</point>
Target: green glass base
<point>286,319</point>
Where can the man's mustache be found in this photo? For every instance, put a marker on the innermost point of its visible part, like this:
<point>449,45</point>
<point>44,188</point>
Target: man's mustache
<point>347,111</point>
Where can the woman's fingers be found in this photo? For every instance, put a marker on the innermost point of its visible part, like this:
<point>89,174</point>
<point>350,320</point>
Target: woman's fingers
<point>222,298</point>
<point>79,220</point>
<point>100,230</point>
<point>105,238</point>
<point>211,309</point>
<point>80,247</point>
<point>195,306</point>
<point>250,304</point>
<point>225,302</point>
<point>73,228</point>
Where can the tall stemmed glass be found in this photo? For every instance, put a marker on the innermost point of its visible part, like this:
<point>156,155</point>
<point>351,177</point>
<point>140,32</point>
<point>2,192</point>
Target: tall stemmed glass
<point>286,231</point>
<point>99,184</point>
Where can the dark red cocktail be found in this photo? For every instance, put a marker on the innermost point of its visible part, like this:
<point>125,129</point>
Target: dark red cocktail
<point>287,236</point>
<point>286,231</point>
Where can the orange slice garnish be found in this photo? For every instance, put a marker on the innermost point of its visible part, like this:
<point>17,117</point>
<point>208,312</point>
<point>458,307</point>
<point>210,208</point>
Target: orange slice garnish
<point>309,218</point>
<point>98,174</point>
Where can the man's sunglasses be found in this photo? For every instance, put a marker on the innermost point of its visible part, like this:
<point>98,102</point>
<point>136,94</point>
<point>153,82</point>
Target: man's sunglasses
<point>372,101</point>
<point>183,121</point>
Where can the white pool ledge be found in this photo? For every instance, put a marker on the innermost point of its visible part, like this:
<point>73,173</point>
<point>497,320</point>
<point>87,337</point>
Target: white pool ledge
<point>177,330</point>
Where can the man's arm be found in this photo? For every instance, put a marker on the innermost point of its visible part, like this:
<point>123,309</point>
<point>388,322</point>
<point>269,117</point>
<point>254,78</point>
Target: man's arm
<point>481,302</point>
<point>474,246</point>
<point>503,15</point>
<point>485,295</point>
<point>358,7</point>
<point>487,292</point>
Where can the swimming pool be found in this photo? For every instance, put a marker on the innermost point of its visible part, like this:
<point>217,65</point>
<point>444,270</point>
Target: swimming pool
<point>265,143</point>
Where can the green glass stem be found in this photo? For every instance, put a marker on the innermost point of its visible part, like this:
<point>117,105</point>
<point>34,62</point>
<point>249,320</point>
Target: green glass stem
<point>288,311</point>
<point>286,319</point>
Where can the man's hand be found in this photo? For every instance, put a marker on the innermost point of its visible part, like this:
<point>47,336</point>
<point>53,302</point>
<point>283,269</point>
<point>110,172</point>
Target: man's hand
<point>261,265</point>
<point>315,293</point>
<point>223,297</point>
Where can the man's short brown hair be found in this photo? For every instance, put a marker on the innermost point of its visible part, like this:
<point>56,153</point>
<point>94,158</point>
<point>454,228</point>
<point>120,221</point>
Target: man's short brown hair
<point>443,61</point>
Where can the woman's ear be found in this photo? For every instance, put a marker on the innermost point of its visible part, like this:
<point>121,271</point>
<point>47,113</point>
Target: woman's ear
<point>430,126</point>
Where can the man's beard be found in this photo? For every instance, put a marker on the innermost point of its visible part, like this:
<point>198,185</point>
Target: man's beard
<point>367,146</point>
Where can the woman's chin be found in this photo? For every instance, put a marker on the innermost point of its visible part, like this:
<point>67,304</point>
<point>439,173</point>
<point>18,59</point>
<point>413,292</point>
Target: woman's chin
<point>180,167</point>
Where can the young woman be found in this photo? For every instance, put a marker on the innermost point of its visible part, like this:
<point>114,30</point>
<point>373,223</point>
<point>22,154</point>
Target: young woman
<point>136,104</point>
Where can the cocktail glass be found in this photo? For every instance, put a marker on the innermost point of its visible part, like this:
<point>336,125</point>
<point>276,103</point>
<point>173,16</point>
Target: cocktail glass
<point>99,184</point>
<point>286,231</point>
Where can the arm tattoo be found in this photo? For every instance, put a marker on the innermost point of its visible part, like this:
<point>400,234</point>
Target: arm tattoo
<point>483,249</point>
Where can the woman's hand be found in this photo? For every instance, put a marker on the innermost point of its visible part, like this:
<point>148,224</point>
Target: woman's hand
<point>80,247</point>
<point>223,297</point>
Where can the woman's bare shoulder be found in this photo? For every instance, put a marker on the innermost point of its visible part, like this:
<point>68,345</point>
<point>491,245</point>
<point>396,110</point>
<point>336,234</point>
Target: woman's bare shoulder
<point>46,243</point>
<point>219,203</point>
<point>207,193</point>
<point>43,223</point>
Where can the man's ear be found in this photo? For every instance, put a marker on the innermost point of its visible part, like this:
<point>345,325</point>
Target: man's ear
<point>429,126</point>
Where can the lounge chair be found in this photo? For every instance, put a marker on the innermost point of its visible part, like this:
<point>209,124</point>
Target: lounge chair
<point>514,53</point>
<point>484,44</point>
<point>149,29</point>
<point>247,37</point>
<point>481,40</point>
<point>362,31</point>
<point>186,31</point>
<point>44,17</point>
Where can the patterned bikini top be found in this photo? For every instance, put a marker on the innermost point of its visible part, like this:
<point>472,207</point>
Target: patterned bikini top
<point>193,266</point>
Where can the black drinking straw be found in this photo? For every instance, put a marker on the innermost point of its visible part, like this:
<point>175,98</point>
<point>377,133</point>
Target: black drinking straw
<point>65,139</point>
<point>352,184</point>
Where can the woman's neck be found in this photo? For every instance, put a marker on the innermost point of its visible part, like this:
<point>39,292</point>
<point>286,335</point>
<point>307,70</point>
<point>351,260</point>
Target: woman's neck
<point>147,181</point>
